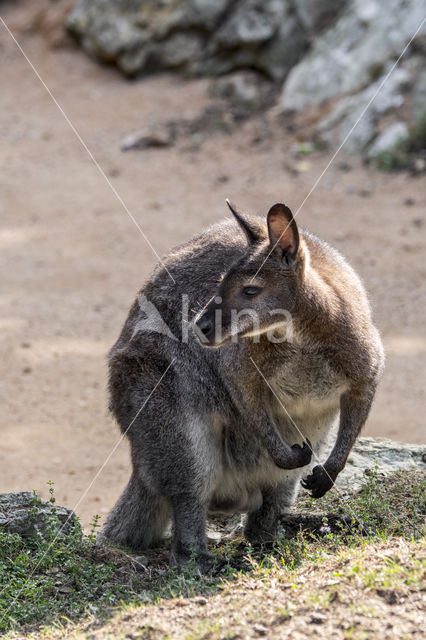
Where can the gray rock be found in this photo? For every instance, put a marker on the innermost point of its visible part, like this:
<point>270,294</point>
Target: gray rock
<point>178,50</point>
<point>251,22</point>
<point>388,455</point>
<point>201,13</point>
<point>25,514</point>
<point>284,50</point>
<point>241,88</point>
<point>419,95</point>
<point>349,113</point>
<point>128,32</point>
<point>348,55</point>
<point>199,36</point>
<point>312,13</point>
<point>389,139</point>
<point>159,135</point>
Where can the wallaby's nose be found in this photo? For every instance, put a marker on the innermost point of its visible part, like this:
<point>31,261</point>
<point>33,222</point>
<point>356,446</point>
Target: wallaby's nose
<point>204,325</point>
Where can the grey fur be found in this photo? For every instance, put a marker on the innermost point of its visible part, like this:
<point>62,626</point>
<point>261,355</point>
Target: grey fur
<point>214,435</point>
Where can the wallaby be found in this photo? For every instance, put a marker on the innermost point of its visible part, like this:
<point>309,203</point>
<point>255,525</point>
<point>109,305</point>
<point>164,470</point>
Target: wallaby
<point>225,417</point>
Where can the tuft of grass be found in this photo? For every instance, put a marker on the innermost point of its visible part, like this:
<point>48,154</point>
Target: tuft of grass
<point>385,506</point>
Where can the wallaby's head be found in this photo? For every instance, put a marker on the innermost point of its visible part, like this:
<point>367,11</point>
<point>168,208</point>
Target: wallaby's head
<point>258,293</point>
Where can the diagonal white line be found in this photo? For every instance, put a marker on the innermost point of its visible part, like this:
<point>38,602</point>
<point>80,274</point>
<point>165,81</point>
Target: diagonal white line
<point>86,148</point>
<point>88,488</point>
<point>346,138</point>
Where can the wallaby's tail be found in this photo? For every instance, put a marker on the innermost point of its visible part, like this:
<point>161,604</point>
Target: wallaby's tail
<point>138,519</point>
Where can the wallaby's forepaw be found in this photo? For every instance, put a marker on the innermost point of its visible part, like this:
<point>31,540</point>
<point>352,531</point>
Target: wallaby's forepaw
<point>318,482</point>
<point>300,455</point>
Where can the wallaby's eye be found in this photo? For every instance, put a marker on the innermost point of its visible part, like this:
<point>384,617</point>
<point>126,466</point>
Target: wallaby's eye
<point>251,291</point>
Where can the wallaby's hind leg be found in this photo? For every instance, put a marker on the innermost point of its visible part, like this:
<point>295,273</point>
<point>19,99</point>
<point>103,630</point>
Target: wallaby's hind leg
<point>262,525</point>
<point>189,535</point>
<point>138,519</point>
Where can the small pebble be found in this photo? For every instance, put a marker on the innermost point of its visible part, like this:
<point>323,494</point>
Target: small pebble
<point>141,560</point>
<point>260,629</point>
<point>317,618</point>
<point>365,193</point>
<point>344,166</point>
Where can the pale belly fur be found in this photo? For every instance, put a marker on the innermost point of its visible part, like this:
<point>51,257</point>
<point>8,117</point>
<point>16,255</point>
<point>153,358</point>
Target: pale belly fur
<point>297,418</point>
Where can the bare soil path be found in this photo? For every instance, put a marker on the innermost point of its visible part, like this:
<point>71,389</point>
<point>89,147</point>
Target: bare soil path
<point>72,260</point>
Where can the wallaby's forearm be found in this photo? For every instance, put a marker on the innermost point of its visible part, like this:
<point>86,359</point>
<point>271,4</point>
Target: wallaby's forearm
<point>354,409</point>
<point>283,455</point>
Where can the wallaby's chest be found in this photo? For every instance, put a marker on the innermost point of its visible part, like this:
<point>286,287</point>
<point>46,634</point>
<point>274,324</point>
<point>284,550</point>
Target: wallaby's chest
<point>307,382</point>
<point>304,401</point>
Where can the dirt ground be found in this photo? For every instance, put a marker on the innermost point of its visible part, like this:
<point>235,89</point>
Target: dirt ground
<point>72,259</point>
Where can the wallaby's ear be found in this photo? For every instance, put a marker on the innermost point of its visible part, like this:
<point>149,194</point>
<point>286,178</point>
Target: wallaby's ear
<point>251,227</point>
<point>283,231</point>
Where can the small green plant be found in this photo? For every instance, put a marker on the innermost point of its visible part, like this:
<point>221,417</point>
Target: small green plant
<point>403,154</point>
<point>394,159</point>
<point>305,148</point>
<point>385,506</point>
<point>418,134</point>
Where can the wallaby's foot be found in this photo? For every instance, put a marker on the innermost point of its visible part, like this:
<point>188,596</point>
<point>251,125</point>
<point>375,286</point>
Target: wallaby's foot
<point>258,535</point>
<point>261,526</point>
<point>195,563</point>
<point>137,520</point>
<point>189,545</point>
<point>300,455</point>
<point>319,481</point>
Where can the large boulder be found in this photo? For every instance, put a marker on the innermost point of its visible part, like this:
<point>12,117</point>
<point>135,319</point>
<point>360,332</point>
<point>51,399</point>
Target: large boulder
<point>389,140</point>
<point>355,118</point>
<point>199,37</point>
<point>385,455</point>
<point>24,513</point>
<point>350,54</point>
<point>314,15</point>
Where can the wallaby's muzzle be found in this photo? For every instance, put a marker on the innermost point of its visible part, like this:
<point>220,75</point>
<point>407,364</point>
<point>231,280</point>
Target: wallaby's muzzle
<point>208,327</point>
<point>204,328</point>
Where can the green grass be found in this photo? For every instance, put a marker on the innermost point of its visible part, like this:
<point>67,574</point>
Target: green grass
<point>48,579</point>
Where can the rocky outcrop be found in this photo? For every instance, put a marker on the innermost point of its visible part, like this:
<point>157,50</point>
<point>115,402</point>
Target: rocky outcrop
<point>332,56</point>
<point>25,514</point>
<point>389,140</point>
<point>353,51</point>
<point>199,37</point>
<point>357,117</point>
